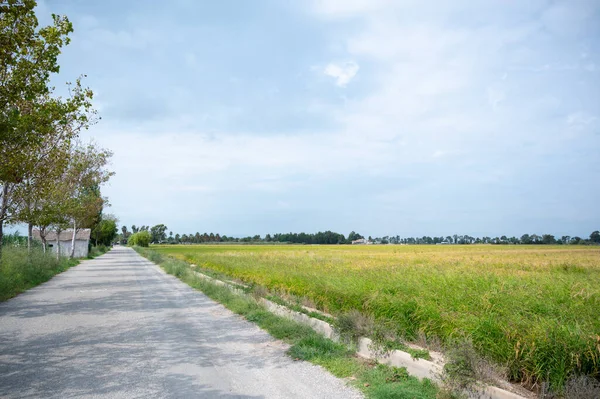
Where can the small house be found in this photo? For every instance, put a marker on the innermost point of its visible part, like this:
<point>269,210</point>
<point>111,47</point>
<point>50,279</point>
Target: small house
<point>82,241</point>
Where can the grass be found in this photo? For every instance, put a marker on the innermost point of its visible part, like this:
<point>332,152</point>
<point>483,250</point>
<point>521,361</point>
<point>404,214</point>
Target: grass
<point>21,270</point>
<point>376,381</point>
<point>530,309</point>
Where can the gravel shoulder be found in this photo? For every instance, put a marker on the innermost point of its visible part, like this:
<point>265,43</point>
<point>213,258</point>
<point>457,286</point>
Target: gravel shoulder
<point>118,326</point>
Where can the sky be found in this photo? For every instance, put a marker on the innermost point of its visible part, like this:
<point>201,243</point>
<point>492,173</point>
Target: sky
<point>387,117</point>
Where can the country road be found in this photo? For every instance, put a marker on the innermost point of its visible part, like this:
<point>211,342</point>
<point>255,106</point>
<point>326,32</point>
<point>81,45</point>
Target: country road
<point>117,326</point>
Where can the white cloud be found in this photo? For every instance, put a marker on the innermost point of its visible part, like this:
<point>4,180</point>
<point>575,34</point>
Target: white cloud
<point>342,72</point>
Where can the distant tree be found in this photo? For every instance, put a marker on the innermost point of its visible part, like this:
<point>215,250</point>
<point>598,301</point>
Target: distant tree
<point>595,237</point>
<point>353,236</point>
<point>125,234</point>
<point>105,231</point>
<point>158,233</point>
<point>548,239</point>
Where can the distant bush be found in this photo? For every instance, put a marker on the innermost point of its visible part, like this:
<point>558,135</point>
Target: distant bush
<point>141,239</point>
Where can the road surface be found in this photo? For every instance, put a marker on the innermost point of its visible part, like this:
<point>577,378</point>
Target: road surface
<point>117,326</point>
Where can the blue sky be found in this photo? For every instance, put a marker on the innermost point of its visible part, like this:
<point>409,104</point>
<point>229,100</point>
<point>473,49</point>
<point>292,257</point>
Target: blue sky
<point>385,117</point>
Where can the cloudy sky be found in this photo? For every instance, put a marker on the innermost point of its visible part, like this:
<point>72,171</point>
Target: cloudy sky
<point>381,116</point>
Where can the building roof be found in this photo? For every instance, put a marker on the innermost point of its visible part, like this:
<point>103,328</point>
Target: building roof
<point>65,235</point>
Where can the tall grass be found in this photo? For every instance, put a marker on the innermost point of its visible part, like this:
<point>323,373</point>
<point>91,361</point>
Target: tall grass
<point>533,310</point>
<point>21,270</point>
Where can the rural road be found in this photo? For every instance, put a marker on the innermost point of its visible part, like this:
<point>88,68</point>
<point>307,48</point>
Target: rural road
<point>118,327</point>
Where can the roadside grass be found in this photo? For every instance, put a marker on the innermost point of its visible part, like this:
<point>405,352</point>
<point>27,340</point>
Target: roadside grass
<point>375,380</point>
<point>96,251</point>
<point>533,310</point>
<point>21,270</point>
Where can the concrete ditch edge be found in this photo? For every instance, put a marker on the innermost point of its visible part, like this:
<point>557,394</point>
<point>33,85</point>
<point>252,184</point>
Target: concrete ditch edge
<point>419,368</point>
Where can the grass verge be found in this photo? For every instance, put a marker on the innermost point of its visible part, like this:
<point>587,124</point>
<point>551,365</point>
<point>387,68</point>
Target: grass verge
<point>374,380</point>
<point>21,270</point>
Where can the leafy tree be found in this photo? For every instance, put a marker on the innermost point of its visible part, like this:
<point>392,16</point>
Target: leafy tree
<point>158,233</point>
<point>595,237</point>
<point>548,239</point>
<point>85,174</point>
<point>105,231</point>
<point>125,234</point>
<point>353,236</point>
<point>28,112</point>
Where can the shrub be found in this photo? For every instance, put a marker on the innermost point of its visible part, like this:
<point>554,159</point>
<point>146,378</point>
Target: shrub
<point>141,239</point>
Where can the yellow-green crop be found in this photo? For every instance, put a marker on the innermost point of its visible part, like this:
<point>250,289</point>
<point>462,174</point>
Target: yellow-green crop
<point>533,309</point>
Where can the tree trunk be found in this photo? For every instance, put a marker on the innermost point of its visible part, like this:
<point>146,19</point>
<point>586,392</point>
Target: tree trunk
<point>29,235</point>
<point>1,237</point>
<point>43,237</point>
<point>3,210</point>
<point>57,244</point>
<point>73,240</point>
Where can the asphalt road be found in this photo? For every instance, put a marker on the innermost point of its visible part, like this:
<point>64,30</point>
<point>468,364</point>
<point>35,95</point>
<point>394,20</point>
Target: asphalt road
<point>117,326</point>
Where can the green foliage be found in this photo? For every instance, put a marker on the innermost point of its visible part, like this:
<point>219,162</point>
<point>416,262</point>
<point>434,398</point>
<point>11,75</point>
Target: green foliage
<point>140,239</point>
<point>105,232</point>
<point>20,270</point>
<point>14,239</point>
<point>158,233</point>
<point>38,155</point>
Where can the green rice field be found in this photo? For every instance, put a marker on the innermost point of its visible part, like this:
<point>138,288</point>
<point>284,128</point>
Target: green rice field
<point>534,310</point>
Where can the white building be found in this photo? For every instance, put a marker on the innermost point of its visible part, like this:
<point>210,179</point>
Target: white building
<point>82,240</point>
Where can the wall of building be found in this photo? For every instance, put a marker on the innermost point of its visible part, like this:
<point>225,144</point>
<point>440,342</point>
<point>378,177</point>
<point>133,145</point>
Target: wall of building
<point>81,248</point>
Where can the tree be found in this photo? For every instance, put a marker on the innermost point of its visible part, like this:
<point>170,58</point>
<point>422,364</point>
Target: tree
<point>595,237</point>
<point>548,239</point>
<point>353,236</point>
<point>105,231</point>
<point>28,113</point>
<point>125,234</point>
<point>158,233</point>
<point>85,174</point>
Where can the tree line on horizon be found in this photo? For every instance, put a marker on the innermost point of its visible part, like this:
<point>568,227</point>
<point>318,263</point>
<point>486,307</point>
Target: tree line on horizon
<point>158,235</point>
